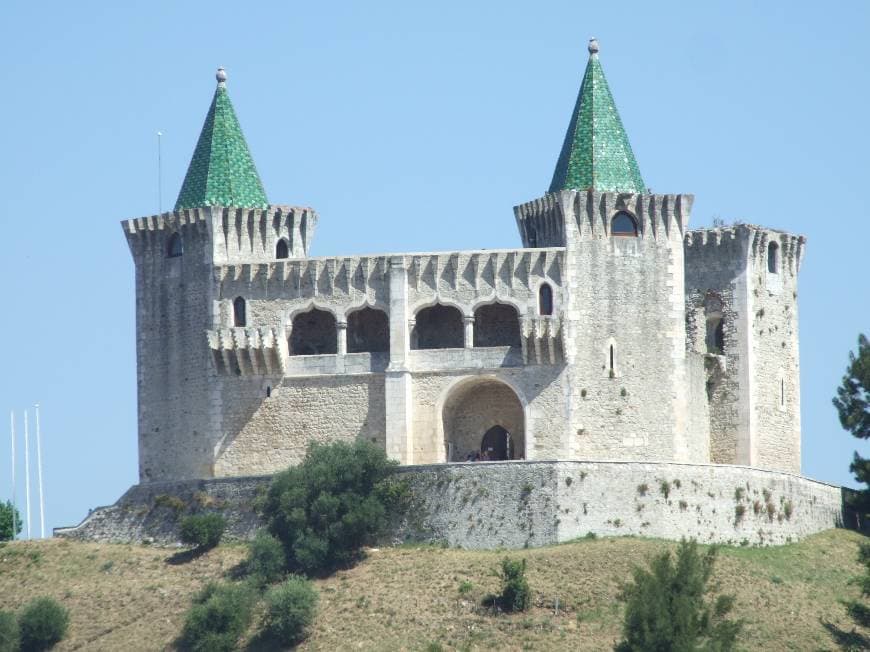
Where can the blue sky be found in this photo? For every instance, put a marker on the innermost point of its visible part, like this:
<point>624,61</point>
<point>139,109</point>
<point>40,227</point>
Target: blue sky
<point>408,126</point>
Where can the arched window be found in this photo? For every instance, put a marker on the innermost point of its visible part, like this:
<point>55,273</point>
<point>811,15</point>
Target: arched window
<point>314,333</point>
<point>281,250</point>
<point>773,258</point>
<point>368,331</point>
<point>545,299</point>
<point>239,316</point>
<point>496,324</point>
<point>175,247</point>
<point>623,224</point>
<point>438,327</point>
<point>715,339</point>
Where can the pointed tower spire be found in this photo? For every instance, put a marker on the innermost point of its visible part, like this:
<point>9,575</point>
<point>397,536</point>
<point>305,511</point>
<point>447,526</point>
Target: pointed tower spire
<point>596,154</point>
<point>221,171</point>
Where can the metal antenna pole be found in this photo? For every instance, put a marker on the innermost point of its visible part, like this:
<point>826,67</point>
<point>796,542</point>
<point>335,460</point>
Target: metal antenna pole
<point>27,471</point>
<point>14,508</point>
<point>159,173</point>
<point>39,475</point>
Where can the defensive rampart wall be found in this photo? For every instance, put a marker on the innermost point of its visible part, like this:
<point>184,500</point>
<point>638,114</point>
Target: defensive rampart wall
<point>524,504</point>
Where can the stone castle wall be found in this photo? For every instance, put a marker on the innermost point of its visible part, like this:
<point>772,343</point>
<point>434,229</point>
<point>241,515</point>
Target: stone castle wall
<point>524,504</point>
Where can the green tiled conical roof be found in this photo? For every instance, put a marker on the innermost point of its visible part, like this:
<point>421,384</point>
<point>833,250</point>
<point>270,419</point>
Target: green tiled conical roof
<point>221,172</point>
<point>596,154</point>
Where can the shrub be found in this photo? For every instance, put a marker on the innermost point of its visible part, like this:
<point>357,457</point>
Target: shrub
<point>642,489</point>
<point>266,560</point>
<point>10,521</point>
<point>465,587</point>
<point>203,530</point>
<point>332,504</point>
<point>666,607</point>
<point>219,616</point>
<point>10,636</point>
<point>739,513</point>
<point>290,610</point>
<point>515,592</point>
<point>665,488</point>
<point>172,502</point>
<point>43,622</point>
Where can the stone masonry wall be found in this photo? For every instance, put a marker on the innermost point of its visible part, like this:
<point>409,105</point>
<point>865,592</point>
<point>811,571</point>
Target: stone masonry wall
<point>524,504</point>
<point>297,412</point>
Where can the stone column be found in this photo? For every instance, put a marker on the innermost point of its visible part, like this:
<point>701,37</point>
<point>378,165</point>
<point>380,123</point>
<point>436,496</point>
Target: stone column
<point>341,331</point>
<point>469,332</point>
<point>397,379</point>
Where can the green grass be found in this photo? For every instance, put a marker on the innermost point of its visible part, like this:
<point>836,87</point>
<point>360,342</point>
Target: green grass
<point>406,598</point>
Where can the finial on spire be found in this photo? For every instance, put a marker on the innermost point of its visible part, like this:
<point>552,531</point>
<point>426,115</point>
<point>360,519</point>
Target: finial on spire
<point>593,45</point>
<point>221,75</point>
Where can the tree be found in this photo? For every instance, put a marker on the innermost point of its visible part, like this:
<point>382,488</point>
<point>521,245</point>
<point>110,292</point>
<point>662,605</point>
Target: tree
<point>853,406</point>
<point>332,504</point>
<point>10,521</point>
<point>666,607</point>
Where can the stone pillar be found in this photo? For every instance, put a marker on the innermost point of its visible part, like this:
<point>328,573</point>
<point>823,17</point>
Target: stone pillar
<point>469,332</point>
<point>341,330</point>
<point>397,379</point>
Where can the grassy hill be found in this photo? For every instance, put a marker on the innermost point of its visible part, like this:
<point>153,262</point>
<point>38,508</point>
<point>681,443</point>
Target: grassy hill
<point>124,597</point>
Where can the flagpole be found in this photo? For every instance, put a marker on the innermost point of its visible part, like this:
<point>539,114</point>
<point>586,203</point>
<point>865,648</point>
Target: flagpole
<point>39,475</point>
<point>27,471</point>
<point>14,508</point>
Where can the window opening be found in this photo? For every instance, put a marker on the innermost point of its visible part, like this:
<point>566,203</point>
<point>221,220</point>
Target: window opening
<point>715,335</point>
<point>268,391</point>
<point>239,316</point>
<point>368,331</point>
<point>496,324</point>
<point>438,327</point>
<point>314,333</point>
<point>175,247</point>
<point>782,392</point>
<point>773,258</point>
<point>281,249</point>
<point>611,358</point>
<point>623,224</point>
<point>545,299</point>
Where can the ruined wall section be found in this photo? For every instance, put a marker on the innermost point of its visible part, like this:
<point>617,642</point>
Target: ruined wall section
<point>626,293</point>
<point>173,310</point>
<point>716,282</point>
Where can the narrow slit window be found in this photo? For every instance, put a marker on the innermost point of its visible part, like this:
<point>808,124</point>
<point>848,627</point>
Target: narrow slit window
<point>782,392</point>
<point>611,358</point>
<point>239,312</point>
<point>281,249</point>
<point>545,299</point>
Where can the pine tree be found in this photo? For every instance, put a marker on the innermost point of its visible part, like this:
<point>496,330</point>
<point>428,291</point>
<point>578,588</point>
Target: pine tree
<point>853,405</point>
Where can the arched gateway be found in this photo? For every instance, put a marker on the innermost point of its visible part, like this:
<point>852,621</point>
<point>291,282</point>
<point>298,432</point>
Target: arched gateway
<point>483,418</point>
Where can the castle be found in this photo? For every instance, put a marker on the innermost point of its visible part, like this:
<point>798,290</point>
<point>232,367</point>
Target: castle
<point>613,333</point>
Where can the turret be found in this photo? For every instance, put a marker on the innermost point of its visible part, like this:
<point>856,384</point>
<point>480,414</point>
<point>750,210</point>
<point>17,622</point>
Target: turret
<point>624,324</point>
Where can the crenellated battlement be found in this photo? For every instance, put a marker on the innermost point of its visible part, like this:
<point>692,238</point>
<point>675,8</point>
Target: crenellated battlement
<point>226,234</point>
<point>542,222</point>
<point>752,239</point>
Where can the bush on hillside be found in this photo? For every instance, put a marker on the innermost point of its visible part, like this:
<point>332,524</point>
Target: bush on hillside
<point>266,561</point>
<point>203,530</point>
<point>666,607</point>
<point>43,622</point>
<point>332,504</point>
<point>10,521</point>
<point>219,616</point>
<point>10,635</point>
<point>290,610</point>
<point>515,592</point>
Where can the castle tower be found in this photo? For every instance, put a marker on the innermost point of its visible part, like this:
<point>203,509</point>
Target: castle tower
<point>222,217</point>
<point>623,304</point>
